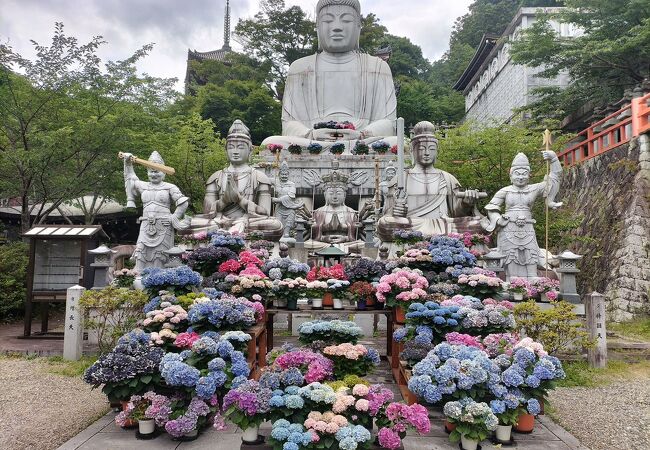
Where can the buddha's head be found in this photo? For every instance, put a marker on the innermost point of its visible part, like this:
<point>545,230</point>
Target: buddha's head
<point>338,25</point>
<point>155,176</point>
<point>424,145</point>
<point>238,144</point>
<point>335,184</point>
<point>520,171</point>
<point>283,173</point>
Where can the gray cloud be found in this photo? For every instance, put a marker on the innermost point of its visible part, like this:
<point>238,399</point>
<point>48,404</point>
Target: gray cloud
<point>174,25</point>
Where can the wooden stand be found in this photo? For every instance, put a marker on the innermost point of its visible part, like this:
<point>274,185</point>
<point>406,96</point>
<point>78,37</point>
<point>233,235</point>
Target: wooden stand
<point>256,352</point>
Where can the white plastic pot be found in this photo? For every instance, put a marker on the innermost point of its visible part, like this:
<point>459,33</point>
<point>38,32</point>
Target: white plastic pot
<point>146,426</point>
<point>251,434</point>
<point>317,302</point>
<point>503,433</point>
<point>517,296</point>
<point>338,303</point>
<point>468,444</point>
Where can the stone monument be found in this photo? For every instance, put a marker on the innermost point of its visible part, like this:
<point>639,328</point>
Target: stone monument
<point>424,198</point>
<point>516,239</point>
<point>238,198</point>
<point>157,223</point>
<point>339,84</point>
<point>286,205</point>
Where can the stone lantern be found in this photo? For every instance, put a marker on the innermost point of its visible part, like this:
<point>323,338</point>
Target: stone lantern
<point>101,264</point>
<point>331,255</point>
<point>493,261</point>
<point>174,255</point>
<point>568,270</point>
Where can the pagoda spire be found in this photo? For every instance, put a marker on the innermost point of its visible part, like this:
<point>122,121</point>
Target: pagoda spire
<point>226,28</point>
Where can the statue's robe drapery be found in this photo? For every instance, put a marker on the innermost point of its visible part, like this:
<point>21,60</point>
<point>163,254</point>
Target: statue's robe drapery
<point>315,94</point>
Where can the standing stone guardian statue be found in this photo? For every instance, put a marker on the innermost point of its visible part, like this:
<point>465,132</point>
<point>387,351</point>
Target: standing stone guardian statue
<point>515,226</point>
<point>157,223</point>
<point>286,205</point>
<point>339,84</point>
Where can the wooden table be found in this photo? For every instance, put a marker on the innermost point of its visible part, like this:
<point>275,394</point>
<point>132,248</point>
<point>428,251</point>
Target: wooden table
<point>270,313</point>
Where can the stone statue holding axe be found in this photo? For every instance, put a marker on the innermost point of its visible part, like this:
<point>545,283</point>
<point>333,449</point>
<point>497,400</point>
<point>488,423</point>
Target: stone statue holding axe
<point>157,223</point>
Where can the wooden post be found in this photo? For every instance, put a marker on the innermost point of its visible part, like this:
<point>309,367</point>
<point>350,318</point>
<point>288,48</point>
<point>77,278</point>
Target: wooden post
<point>595,313</point>
<point>73,335</point>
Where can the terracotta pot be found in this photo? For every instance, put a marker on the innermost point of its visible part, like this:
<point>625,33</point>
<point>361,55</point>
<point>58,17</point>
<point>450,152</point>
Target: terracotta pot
<point>328,300</point>
<point>525,423</point>
<point>128,423</point>
<point>400,314</point>
<point>449,427</point>
<point>370,301</point>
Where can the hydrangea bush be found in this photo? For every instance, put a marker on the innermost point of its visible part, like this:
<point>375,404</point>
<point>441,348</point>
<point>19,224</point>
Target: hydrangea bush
<point>178,280</point>
<point>332,332</point>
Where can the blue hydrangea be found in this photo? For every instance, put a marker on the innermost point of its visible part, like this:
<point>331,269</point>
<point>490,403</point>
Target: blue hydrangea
<point>533,406</point>
<point>498,406</point>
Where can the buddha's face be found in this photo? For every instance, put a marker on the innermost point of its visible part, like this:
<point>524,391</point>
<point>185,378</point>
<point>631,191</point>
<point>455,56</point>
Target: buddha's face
<point>335,196</point>
<point>520,177</point>
<point>238,151</point>
<point>155,176</point>
<point>425,152</point>
<point>338,28</point>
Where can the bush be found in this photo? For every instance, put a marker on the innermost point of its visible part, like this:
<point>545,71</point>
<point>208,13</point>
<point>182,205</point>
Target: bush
<point>13,279</point>
<point>115,311</point>
<point>557,328</point>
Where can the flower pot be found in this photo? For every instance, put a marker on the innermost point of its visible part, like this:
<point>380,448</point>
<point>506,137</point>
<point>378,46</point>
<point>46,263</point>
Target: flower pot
<point>543,297</point>
<point>399,314</point>
<point>191,435</point>
<point>517,296</point>
<point>317,303</point>
<point>338,303</point>
<point>128,423</point>
<point>468,444</point>
<point>361,304</point>
<point>503,433</point>
<point>525,423</point>
<point>370,301</point>
<point>292,304</point>
<point>379,305</point>
<point>280,303</point>
<point>449,427</point>
<point>250,434</point>
<point>146,426</point>
<point>328,300</point>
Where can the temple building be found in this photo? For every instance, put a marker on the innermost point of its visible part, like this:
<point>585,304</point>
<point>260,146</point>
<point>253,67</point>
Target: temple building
<point>494,87</point>
<point>214,55</point>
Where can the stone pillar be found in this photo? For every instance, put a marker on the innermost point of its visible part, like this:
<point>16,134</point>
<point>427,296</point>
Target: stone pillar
<point>568,270</point>
<point>101,264</point>
<point>300,233</point>
<point>73,334</point>
<point>174,255</point>
<point>595,312</point>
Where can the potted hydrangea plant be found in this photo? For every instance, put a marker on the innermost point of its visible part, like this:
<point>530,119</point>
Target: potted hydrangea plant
<point>474,422</point>
<point>247,406</point>
<point>519,288</point>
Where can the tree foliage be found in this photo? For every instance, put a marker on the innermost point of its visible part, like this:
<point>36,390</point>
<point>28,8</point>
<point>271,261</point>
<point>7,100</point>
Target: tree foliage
<point>613,53</point>
<point>64,117</point>
<point>13,279</point>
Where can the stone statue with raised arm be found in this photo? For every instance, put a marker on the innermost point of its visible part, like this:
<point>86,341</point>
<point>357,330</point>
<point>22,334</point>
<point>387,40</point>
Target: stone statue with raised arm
<point>515,226</point>
<point>339,84</point>
<point>431,200</point>
<point>286,205</point>
<point>157,223</point>
<point>238,198</point>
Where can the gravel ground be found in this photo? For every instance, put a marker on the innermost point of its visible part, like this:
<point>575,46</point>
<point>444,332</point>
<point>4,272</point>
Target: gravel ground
<point>611,417</point>
<point>40,410</point>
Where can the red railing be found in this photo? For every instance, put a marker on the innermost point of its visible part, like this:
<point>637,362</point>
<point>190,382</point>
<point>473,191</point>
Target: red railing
<point>608,133</point>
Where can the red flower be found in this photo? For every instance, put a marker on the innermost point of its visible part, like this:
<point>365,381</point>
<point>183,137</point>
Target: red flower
<point>230,266</point>
<point>247,258</point>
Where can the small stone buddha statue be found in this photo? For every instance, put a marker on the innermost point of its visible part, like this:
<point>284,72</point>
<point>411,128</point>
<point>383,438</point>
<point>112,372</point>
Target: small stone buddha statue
<point>334,223</point>
<point>338,84</point>
<point>286,205</point>
<point>238,198</point>
<point>431,197</point>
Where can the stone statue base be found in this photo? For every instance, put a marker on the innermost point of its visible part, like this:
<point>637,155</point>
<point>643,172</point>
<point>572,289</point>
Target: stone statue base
<point>428,227</point>
<point>270,227</point>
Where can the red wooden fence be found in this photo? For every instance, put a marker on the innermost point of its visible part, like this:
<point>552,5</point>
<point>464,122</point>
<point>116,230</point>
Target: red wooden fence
<point>608,133</point>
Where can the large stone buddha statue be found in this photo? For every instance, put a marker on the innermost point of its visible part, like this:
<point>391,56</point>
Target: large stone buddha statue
<point>338,84</point>
<point>238,198</point>
<point>431,200</point>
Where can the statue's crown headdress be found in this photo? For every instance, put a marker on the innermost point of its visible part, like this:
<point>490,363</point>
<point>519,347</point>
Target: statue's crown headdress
<point>423,130</point>
<point>156,158</point>
<point>284,167</point>
<point>239,131</point>
<point>353,3</point>
<point>335,179</point>
<point>520,162</point>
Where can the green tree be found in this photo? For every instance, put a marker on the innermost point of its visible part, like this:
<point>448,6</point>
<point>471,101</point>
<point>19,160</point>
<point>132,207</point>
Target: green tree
<point>236,66</point>
<point>63,118</point>
<point>613,53</point>
<point>13,278</point>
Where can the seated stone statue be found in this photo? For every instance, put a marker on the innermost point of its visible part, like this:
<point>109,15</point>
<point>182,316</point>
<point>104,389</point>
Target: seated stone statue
<point>238,198</point>
<point>334,223</point>
<point>339,84</point>
<point>431,197</point>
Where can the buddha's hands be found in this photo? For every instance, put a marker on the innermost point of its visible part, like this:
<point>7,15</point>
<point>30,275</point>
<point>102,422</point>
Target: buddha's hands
<point>333,134</point>
<point>336,239</point>
<point>231,193</point>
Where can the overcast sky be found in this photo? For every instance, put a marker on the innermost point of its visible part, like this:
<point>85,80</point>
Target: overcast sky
<point>176,25</point>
